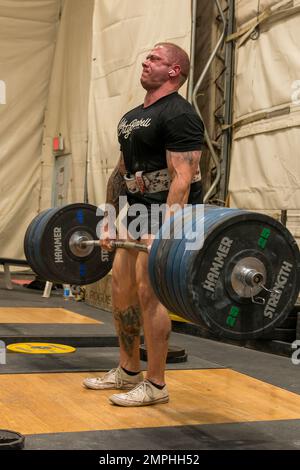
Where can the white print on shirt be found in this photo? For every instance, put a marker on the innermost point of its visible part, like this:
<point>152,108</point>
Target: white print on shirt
<point>126,128</point>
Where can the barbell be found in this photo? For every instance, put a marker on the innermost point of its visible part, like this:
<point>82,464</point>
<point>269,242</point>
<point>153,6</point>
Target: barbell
<point>241,284</point>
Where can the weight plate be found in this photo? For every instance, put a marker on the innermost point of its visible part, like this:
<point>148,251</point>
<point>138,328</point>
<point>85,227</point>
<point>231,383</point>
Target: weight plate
<point>11,440</point>
<point>184,256</point>
<point>174,279</point>
<point>160,266</point>
<point>175,354</point>
<point>29,243</point>
<point>162,256</point>
<point>54,254</point>
<point>160,274</point>
<point>41,262</point>
<point>152,266</point>
<point>27,237</point>
<point>232,238</point>
<point>177,359</point>
<point>41,269</point>
<point>40,348</point>
<point>178,220</point>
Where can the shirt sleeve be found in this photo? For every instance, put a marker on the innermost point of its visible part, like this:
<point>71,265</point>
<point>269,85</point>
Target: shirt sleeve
<point>184,133</point>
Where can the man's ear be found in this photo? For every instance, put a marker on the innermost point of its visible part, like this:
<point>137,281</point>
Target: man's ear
<point>175,71</point>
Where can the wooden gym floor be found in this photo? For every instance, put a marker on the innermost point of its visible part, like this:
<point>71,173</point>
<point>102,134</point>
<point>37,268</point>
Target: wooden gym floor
<point>29,315</point>
<point>54,403</point>
<point>234,399</point>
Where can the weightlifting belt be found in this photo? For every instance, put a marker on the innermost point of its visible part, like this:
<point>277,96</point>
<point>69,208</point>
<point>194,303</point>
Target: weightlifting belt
<point>151,182</point>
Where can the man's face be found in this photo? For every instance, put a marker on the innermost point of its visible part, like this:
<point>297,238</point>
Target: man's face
<point>156,68</point>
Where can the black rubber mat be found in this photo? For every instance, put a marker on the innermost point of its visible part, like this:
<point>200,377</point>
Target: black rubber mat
<point>269,368</point>
<point>71,335</point>
<point>263,435</point>
<point>83,359</point>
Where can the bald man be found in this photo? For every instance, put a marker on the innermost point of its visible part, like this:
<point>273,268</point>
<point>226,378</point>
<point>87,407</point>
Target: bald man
<point>160,142</point>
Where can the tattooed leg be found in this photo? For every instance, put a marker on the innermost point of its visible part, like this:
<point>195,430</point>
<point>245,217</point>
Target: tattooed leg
<point>128,323</point>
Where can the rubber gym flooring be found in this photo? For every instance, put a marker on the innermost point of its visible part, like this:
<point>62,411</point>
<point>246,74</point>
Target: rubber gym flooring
<point>223,397</point>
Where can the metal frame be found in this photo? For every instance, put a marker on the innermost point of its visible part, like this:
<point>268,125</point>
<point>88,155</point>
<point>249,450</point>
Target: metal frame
<point>220,148</point>
<point>228,106</point>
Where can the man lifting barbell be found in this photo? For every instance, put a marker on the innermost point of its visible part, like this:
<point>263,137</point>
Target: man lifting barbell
<point>161,143</point>
<point>241,284</point>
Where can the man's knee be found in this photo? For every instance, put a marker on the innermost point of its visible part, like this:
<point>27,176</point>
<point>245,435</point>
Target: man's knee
<point>122,286</point>
<point>123,274</point>
<point>145,293</point>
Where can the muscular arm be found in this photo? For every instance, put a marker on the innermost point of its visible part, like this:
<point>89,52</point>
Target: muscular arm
<point>116,185</point>
<point>182,167</point>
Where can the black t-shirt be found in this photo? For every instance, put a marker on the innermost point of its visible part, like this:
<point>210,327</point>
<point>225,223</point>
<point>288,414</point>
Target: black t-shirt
<point>144,134</point>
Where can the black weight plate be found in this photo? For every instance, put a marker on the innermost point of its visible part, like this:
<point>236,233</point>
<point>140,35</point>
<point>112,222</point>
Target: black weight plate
<point>152,265</point>
<point>41,269</point>
<point>11,440</point>
<point>175,278</point>
<point>179,222</point>
<point>177,359</point>
<point>225,313</point>
<point>161,261</point>
<point>160,273</point>
<point>182,261</point>
<point>156,267</point>
<point>28,236</point>
<point>29,243</point>
<point>41,265</point>
<point>175,354</point>
<point>51,246</point>
<point>173,351</point>
<point>290,322</point>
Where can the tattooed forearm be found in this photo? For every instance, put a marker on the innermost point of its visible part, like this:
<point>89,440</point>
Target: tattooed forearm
<point>115,188</point>
<point>116,185</point>
<point>129,322</point>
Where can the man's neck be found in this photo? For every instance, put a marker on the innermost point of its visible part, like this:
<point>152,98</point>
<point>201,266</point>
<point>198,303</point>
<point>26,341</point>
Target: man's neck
<point>157,93</point>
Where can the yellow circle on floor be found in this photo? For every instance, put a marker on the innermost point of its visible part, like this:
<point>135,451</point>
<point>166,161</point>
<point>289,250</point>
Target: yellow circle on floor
<point>40,348</point>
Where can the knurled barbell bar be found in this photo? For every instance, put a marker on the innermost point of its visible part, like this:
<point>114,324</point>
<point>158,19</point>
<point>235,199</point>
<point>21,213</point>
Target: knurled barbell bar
<point>241,284</point>
<point>80,242</point>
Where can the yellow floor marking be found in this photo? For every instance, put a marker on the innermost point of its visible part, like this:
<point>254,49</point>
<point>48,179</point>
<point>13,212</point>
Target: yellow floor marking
<point>40,348</point>
<point>42,315</point>
<point>50,403</point>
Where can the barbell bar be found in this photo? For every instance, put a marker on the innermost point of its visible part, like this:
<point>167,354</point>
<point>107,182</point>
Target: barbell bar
<point>128,245</point>
<point>241,284</point>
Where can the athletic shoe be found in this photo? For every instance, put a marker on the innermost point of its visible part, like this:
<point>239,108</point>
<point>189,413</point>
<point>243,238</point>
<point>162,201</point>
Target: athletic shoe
<point>114,379</point>
<point>143,394</point>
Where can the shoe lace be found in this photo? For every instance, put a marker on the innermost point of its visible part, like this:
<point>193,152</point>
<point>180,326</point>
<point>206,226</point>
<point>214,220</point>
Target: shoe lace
<point>110,372</point>
<point>140,388</point>
<point>118,377</point>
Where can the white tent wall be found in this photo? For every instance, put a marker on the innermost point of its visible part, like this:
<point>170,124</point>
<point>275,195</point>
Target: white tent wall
<point>27,36</point>
<point>123,32</point>
<point>94,61</point>
<point>67,108</point>
<point>265,164</point>
<point>48,67</point>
